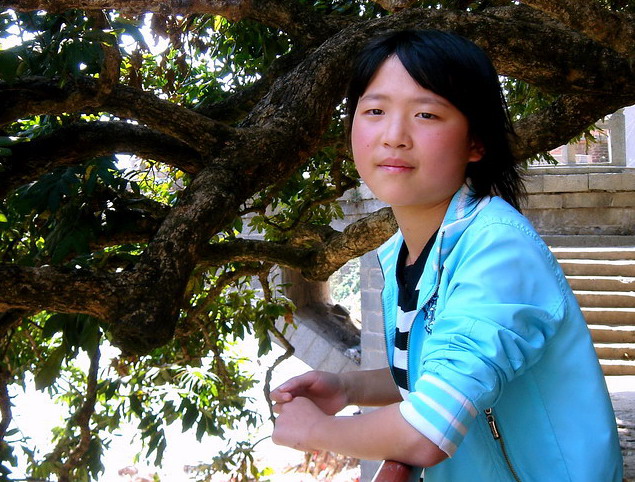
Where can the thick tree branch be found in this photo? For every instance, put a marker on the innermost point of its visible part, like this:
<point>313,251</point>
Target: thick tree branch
<point>39,95</point>
<point>238,105</point>
<point>58,290</point>
<point>279,134</point>
<point>355,240</point>
<point>76,143</point>
<point>146,316</point>
<point>316,262</point>
<point>561,121</point>
<point>251,250</point>
<point>615,30</point>
<point>546,55</point>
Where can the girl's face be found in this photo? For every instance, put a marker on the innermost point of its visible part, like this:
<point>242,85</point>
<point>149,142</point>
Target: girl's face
<point>410,145</point>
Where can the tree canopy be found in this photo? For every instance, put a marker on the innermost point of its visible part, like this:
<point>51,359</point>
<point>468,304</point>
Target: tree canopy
<point>140,140</point>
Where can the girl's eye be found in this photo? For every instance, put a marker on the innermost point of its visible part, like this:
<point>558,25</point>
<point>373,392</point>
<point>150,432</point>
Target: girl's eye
<point>375,111</point>
<point>425,115</point>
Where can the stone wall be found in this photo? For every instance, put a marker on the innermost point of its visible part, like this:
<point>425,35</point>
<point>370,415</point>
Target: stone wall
<point>581,201</point>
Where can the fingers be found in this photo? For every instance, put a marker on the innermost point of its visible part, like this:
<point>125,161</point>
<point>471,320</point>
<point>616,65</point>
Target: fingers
<point>279,396</point>
<point>292,388</point>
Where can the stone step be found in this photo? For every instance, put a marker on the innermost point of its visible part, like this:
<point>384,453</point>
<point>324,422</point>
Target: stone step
<point>594,267</point>
<point>612,253</point>
<point>612,334</point>
<point>617,367</point>
<point>602,283</point>
<point>589,240</point>
<point>615,351</point>
<point>606,299</point>
<point>609,316</point>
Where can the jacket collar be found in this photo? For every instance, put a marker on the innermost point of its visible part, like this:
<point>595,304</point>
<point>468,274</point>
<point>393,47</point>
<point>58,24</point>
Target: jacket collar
<point>462,210</point>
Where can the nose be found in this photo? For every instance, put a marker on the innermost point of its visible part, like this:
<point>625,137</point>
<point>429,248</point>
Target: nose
<point>396,133</point>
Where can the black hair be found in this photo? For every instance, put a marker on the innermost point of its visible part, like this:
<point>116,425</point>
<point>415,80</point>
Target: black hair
<point>458,70</point>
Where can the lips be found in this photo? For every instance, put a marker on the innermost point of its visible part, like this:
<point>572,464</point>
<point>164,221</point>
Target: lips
<point>396,165</point>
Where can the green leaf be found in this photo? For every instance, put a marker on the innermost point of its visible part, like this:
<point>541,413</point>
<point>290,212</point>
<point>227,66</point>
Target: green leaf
<point>89,333</point>
<point>189,418</point>
<point>112,389</point>
<point>54,324</point>
<point>3,218</point>
<point>135,405</point>
<point>50,370</point>
<point>9,63</point>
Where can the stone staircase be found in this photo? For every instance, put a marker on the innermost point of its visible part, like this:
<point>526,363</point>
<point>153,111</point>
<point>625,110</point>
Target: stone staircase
<point>603,280</point>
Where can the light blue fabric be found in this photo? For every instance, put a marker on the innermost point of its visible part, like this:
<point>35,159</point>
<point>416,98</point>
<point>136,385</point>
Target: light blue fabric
<point>500,328</point>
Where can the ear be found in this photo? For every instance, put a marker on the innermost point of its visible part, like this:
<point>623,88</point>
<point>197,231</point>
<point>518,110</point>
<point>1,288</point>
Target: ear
<point>477,151</point>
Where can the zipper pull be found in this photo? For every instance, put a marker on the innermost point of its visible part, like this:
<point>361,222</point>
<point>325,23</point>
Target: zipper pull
<point>491,421</point>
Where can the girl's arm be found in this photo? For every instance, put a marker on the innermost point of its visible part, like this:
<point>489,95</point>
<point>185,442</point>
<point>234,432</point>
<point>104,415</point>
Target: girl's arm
<point>371,388</point>
<point>382,434</point>
<point>332,392</point>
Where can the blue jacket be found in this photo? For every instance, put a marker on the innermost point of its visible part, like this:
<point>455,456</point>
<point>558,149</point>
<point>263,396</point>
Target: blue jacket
<point>499,330</point>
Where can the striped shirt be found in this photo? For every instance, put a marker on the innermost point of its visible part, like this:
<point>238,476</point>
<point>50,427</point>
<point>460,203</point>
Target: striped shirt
<point>407,280</point>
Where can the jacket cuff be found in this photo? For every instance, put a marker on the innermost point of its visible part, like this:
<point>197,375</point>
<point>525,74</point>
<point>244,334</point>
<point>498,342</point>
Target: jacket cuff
<point>439,412</point>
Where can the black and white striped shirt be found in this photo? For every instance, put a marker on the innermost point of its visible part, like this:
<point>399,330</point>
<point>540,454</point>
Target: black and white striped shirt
<point>407,280</point>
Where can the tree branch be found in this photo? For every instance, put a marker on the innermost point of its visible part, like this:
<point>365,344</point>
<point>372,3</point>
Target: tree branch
<point>529,46</point>
<point>615,30</point>
<point>556,124</point>
<point>320,260</point>
<point>147,315</point>
<point>82,420</point>
<point>56,289</point>
<point>76,143</point>
<point>251,250</point>
<point>279,134</point>
<point>237,105</point>
<point>5,402</point>
<point>356,239</point>
<point>39,95</point>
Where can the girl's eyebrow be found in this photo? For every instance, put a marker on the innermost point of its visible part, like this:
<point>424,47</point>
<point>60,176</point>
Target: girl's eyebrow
<point>423,99</point>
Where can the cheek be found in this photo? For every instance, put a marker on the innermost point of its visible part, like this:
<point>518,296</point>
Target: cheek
<point>360,141</point>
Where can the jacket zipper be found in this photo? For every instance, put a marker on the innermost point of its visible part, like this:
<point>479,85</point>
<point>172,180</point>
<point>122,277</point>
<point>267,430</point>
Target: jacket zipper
<point>491,421</point>
<point>440,235</point>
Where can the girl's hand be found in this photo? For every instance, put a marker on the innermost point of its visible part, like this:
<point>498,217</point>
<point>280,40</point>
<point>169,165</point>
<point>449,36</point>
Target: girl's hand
<point>295,423</point>
<point>326,390</point>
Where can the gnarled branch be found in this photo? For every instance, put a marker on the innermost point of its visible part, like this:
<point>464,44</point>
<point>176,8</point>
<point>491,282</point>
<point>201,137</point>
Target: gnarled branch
<point>56,289</point>
<point>79,142</point>
<point>615,30</point>
<point>39,95</point>
<point>566,117</point>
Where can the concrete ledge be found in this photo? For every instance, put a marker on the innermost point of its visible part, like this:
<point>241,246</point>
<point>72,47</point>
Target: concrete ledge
<point>566,183</point>
<point>580,241</point>
<point>612,182</point>
<point>574,200</point>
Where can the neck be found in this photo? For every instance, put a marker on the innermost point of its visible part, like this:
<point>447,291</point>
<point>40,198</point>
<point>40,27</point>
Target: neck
<point>418,225</point>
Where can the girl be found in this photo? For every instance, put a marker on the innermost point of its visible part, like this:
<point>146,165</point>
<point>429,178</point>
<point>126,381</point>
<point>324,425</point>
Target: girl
<point>492,373</point>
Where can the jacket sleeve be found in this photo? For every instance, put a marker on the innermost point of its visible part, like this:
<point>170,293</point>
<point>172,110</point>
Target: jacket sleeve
<point>501,300</point>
